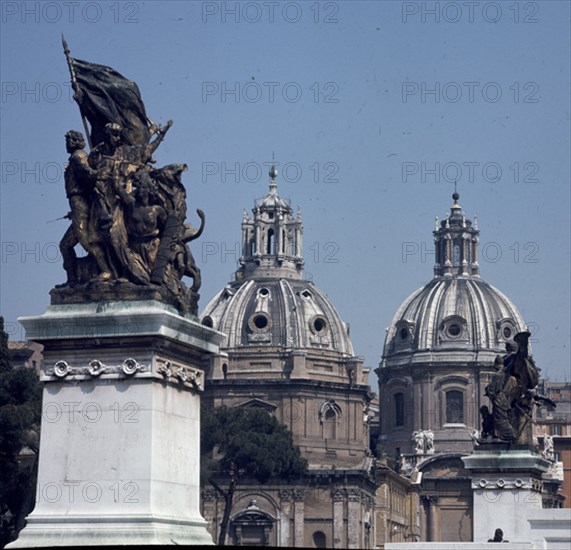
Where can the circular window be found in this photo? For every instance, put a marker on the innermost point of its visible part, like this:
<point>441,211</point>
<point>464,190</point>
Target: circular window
<point>507,332</point>
<point>259,322</point>
<point>403,334</point>
<point>306,294</point>
<point>207,322</point>
<point>318,325</point>
<point>454,330</point>
<point>264,292</point>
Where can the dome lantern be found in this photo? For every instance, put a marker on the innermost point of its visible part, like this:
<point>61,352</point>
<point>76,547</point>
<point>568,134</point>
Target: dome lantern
<point>456,244</point>
<point>271,240</point>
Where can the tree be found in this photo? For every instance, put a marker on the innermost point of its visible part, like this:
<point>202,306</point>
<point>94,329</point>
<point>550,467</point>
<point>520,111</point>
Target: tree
<point>20,415</point>
<point>240,442</point>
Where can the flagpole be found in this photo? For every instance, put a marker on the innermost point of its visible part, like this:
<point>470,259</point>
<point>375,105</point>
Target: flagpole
<point>75,87</point>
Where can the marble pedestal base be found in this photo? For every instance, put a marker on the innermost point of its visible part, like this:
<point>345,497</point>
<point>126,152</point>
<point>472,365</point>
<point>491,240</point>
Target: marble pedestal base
<point>506,486</point>
<point>120,437</point>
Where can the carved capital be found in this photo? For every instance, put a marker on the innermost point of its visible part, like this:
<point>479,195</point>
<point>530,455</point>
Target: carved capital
<point>208,495</point>
<point>338,494</point>
<point>429,500</point>
<point>285,494</point>
<point>298,495</point>
<point>353,495</point>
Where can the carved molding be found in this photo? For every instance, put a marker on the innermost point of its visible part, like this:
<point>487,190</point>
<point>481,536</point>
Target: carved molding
<point>61,369</point>
<point>130,367</point>
<point>96,368</point>
<point>184,374</point>
<point>507,483</point>
<point>165,370</point>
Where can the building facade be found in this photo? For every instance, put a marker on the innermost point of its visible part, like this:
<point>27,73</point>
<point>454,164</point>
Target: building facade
<point>288,351</point>
<point>553,431</point>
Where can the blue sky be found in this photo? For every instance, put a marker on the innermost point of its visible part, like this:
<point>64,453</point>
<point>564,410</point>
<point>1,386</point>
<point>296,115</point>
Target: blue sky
<point>373,108</point>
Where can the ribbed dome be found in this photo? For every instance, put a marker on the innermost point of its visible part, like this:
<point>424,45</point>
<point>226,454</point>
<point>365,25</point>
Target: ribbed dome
<point>460,314</point>
<point>289,313</point>
<point>456,317</point>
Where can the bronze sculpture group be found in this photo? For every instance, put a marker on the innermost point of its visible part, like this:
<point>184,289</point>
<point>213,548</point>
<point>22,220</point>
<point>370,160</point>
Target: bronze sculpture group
<point>512,394</point>
<point>128,215</point>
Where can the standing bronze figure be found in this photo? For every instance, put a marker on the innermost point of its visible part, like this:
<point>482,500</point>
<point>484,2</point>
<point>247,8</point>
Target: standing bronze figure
<point>511,392</point>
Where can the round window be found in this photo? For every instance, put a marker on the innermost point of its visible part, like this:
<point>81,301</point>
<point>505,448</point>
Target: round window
<point>207,321</point>
<point>507,332</point>
<point>264,292</point>
<point>259,322</point>
<point>319,325</point>
<point>454,330</point>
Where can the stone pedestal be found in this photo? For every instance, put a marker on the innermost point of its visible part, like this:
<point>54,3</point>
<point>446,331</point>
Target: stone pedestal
<point>506,487</point>
<point>120,437</point>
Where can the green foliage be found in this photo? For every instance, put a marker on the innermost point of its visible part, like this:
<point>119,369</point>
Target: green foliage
<point>20,416</point>
<point>249,441</point>
<point>245,442</point>
<point>5,359</point>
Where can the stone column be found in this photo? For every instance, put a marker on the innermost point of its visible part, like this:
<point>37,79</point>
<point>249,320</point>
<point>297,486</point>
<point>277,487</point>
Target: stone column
<point>285,496</point>
<point>258,238</point>
<point>298,241</point>
<point>338,496</point>
<point>119,455</point>
<point>465,244</point>
<point>245,251</point>
<point>353,509</point>
<point>431,520</point>
<point>475,265</point>
<point>299,518</point>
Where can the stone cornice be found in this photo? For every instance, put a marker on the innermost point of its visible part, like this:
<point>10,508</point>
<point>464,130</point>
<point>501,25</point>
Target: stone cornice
<point>126,319</point>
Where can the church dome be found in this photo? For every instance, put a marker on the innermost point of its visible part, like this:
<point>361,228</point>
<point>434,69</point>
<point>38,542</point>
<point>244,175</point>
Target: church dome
<point>281,312</point>
<point>457,316</point>
<point>270,304</point>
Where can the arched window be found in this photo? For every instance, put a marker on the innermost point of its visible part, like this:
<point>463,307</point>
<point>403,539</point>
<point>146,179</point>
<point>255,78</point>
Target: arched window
<point>270,248</point>
<point>456,253</point>
<point>252,527</point>
<point>454,407</point>
<point>398,402</point>
<point>330,424</point>
<point>319,539</point>
<point>329,414</point>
